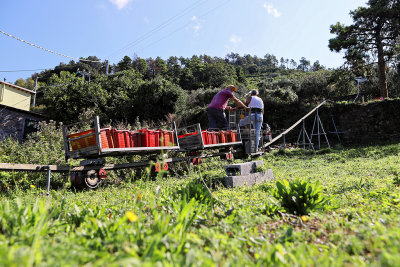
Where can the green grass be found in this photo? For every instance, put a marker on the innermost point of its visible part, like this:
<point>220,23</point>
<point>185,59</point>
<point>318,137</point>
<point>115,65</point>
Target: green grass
<point>359,225</point>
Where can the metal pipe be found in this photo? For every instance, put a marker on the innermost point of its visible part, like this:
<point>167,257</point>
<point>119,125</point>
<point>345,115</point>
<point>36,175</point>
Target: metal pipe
<point>48,179</point>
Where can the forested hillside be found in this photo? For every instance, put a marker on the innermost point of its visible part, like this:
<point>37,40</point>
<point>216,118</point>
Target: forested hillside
<point>150,89</point>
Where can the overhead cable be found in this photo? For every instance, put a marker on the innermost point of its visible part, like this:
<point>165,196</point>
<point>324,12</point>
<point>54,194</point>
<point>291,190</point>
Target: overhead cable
<point>159,27</point>
<point>201,16</point>
<point>19,70</point>
<point>47,50</point>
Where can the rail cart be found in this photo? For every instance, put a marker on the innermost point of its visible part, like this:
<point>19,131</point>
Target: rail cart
<point>97,143</point>
<point>93,146</point>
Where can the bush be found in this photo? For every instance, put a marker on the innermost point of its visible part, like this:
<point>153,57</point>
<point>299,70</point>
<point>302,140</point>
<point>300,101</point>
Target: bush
<point>300,196</point>
<point>43,147</point>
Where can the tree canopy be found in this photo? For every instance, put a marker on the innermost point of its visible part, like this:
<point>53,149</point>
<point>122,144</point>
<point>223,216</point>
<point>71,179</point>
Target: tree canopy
<point>373,37</point>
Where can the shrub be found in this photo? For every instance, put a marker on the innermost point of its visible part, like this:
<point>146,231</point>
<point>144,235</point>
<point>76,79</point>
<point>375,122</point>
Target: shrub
<point>42,147</point>
<point>300,196</point>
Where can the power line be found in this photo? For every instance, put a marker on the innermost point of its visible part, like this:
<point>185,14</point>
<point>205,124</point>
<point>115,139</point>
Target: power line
<point>19,70</point>
<point>159,27</point>
<point>47,50</point>
<point>168,35</point>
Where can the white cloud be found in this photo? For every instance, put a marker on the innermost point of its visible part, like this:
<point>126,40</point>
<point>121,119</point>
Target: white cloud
<point>120,3</point>
<point>272,10</point>
<point>235,39</point>
<point>196,24</point>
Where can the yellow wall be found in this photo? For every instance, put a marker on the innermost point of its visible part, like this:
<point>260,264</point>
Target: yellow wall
<point>15,98</point>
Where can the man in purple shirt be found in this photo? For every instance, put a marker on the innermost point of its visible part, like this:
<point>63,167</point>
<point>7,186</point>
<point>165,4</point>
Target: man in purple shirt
<point>215,111</point>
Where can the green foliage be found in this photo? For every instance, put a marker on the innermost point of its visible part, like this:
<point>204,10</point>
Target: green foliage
<point>373,35</point>
<point>66,96</point>
<point>157,98</point>
<point>43,147</point>
<point>147,223</point>
<point>197,191</point>
<point>299,196</point>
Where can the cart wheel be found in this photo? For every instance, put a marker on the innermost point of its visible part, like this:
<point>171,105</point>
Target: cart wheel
<point>102,174</point>
<point>231,156</point>
<point>194,161</point>
<point>228,156</point>
<point>200,161</point>
<point>165,166</point>
<point>92,179</point>
<point>157,167</point>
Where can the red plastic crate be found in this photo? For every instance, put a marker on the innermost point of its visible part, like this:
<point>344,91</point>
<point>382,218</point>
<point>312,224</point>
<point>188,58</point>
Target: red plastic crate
<point>148,138</point>
<point>106,138</point>
<point>119,138</point>
<point>222,137</point>
<point>157,136</point>
<point>136,138</point>
<point>82,142</point>
<point>171,138</point>
<point>204,134</point>
<point>231,136</point>
<point>127,138</point>
<point>166,140</point>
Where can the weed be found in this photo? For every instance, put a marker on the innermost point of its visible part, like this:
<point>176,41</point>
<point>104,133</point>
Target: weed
<point>299,196</point>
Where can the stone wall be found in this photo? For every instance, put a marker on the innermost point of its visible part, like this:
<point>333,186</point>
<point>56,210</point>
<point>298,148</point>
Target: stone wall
<point>13,122</point>
<point>370,123</point>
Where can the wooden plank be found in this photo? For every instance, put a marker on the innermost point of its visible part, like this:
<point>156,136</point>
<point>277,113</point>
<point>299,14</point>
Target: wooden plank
<point>32,167</point>
<point>295,124</point>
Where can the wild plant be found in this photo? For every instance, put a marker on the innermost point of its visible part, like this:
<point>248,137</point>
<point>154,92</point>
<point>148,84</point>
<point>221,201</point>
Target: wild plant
<point>299,196</point>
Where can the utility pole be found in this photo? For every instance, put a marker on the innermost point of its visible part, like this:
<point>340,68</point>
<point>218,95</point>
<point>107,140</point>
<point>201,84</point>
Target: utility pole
<point>106,67</point>
<point>83,73</point>
<point>35,90</point>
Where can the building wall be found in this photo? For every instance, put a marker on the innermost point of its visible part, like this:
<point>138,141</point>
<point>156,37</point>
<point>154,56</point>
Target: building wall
<point>15,98</point>
<point>13,123</point>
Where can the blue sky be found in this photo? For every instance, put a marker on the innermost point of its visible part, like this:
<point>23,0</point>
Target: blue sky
<point>111,29</point>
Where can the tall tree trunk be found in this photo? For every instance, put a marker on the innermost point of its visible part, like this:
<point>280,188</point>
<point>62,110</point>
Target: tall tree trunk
<point>381,68</point>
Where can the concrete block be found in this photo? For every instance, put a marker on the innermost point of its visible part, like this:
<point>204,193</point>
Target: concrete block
<point>249,180</point>
<point>240,169</point>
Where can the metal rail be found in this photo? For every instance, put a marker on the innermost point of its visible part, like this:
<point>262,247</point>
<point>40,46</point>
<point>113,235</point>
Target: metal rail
<point>68,169</point>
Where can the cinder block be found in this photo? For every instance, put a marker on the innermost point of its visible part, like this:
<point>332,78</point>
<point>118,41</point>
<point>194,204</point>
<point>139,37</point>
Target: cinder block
<point>241,169</point>
<point>249,180</point>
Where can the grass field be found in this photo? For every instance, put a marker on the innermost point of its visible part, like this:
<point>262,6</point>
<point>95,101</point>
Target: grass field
<point>177,222</point>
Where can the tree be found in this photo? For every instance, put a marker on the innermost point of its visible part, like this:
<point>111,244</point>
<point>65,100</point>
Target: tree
<point>173,69</point>
<point>270,61</point>
<point>140,65</point>
<point>317,66</point>
<point>374,35</point>
<point>125,64</point>
<point>304,64</point>
<point>156,98</point>
<point>282,61</point>
<point>293,64</point>
<point>66,97</point>
<point>161,66</point>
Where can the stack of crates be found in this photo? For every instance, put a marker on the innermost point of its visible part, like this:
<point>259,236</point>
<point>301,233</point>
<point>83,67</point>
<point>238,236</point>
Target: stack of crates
<point>113,138</point>
<point>144,138</point>
<point>220,137</point>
